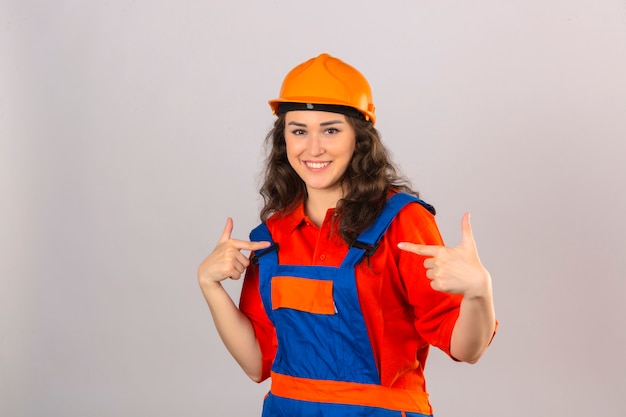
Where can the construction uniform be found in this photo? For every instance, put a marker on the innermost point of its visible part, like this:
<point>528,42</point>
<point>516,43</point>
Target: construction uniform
<point>346,330</point>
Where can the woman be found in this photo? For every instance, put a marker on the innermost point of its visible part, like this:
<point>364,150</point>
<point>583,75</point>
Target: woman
<point>349,283</point>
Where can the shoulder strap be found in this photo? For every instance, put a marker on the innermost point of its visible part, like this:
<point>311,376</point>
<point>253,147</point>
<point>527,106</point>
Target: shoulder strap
<point>259,234</point>
<point>367,242</point>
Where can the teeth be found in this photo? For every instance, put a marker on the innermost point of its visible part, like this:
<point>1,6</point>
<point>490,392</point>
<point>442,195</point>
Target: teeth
<point>317,165</point>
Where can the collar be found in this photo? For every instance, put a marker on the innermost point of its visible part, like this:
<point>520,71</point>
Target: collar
<point>290,221</point>
<point>287,220</point>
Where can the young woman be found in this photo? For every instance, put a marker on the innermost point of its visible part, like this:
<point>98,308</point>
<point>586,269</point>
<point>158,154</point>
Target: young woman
<point>348,283</point>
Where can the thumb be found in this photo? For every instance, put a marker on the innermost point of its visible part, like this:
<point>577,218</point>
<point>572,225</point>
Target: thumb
<point>467,236</point>
<point>228,229</point>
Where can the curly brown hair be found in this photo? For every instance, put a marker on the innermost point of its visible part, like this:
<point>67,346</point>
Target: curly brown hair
<point>369,178</point>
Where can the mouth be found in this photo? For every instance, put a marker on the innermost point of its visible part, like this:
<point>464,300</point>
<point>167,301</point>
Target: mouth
<point>316,165</point>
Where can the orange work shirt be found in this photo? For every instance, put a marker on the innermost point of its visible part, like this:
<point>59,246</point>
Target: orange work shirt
<point>403,314</point>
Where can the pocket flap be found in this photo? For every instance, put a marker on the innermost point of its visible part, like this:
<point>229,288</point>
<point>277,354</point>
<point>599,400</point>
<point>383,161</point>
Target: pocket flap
<point>303,294</point>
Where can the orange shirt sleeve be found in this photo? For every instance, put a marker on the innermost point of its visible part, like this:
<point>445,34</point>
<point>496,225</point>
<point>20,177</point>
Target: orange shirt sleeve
<point>251,305</point>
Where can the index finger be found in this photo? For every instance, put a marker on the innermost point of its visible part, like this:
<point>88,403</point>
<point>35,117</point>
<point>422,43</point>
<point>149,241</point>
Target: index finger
<point>424,250</point>
<point>252,246</point>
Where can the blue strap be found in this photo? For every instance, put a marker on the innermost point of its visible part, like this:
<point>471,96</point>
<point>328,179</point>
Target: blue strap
<point>367,242</point>
<point>262,234</point>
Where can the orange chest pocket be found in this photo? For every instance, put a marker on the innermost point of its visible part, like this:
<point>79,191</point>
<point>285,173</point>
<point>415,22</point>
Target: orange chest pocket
<point>303,294</point>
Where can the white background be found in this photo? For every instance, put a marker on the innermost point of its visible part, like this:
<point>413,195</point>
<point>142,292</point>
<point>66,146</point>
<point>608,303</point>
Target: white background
<point>130,130</point>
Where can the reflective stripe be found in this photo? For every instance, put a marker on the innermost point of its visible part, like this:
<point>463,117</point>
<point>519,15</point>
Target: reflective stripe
<point>338,392</point>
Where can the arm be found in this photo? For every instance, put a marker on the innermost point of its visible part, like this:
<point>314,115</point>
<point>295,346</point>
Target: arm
<point>235,329</point>
<point>458,270</point>
<point>474,327</point>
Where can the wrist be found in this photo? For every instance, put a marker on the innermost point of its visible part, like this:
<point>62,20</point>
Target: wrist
<point>481,291</point>
<point>209,287</point>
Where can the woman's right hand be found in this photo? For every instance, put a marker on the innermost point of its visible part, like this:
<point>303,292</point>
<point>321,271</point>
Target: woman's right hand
<point>233,326</point>
<point>226,260</point>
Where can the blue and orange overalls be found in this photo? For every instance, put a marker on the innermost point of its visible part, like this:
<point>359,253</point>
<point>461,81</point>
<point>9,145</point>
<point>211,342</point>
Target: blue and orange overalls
<point>324,364</point>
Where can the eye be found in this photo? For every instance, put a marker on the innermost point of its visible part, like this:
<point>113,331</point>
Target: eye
<point>298,132</point>
<point>332,130</point>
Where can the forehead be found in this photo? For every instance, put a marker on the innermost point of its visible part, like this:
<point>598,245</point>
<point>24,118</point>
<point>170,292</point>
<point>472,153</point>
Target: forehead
<point>313,116</point>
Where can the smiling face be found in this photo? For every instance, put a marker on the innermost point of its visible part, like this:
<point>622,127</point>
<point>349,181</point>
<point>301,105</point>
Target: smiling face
<point>319,148</point>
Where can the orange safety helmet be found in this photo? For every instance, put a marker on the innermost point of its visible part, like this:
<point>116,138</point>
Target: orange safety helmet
<point>326,80</point>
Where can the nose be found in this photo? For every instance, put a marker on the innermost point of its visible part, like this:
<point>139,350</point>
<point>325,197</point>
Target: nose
<point>316,147</point>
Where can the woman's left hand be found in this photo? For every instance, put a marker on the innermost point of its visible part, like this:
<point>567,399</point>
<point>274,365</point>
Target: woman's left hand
<point>456,270</point>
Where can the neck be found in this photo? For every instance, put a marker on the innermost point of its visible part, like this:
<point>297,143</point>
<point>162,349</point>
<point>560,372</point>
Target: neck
<point>319,201</point>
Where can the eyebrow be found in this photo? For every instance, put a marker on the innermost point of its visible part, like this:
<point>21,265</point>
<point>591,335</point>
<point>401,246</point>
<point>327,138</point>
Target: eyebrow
<point>328,123</point>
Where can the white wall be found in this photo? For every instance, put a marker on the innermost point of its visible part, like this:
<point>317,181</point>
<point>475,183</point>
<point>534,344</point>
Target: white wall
<point>130,130</point>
